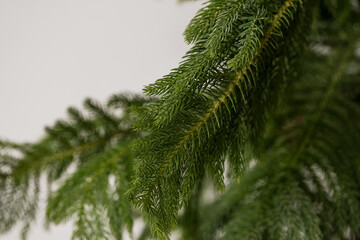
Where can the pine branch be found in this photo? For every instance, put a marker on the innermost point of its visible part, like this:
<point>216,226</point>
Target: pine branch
<point>175,149</point>
<point>333,83</point>
<point>97,145</point>
<point>268,95</point>
<point>306,185</point>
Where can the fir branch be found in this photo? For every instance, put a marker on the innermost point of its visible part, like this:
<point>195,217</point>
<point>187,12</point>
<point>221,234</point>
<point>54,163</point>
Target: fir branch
<point>182,160</point>
<point>334,81</point>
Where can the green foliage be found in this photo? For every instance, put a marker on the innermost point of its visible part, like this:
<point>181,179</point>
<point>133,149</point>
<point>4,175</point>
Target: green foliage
<point>88,163</point>
<point>263,110</point>
<point>306,185</point>
<point>216,98</point>
<point>18,201</point>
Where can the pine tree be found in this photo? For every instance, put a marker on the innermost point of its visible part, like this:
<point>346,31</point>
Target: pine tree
<point>261,115</point>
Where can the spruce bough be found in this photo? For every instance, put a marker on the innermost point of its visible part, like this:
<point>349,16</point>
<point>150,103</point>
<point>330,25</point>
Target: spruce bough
<point>262,113</point>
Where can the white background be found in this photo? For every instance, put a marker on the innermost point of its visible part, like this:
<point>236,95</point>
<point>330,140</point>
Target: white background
<point>54,53</point>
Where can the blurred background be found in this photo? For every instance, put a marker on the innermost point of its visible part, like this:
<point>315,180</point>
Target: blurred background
<point>55,53</point>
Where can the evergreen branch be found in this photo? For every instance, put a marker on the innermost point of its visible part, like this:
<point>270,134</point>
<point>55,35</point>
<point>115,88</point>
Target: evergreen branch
<point>247,94</point>
<point>99,202</point>
<point>334,81</point>
<point>329,160</point>
<point>90,141</point>
<point>230,90</point>
<point>169,171</point>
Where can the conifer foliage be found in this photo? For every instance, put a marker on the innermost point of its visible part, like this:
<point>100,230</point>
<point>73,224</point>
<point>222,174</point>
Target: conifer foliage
<point>264,107</point>
<point>88,163</point>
